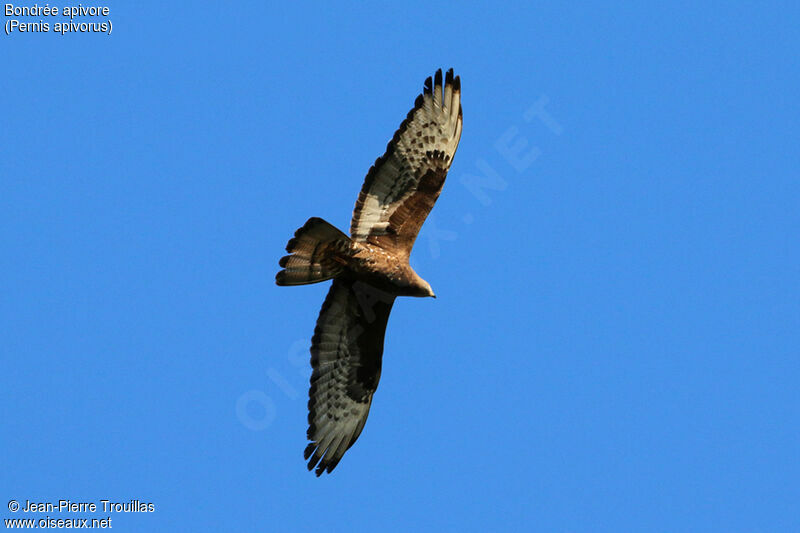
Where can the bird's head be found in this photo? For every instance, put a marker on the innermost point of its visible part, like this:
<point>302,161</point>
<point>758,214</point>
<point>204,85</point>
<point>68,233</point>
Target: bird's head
<point>430,290</point>
<point>425,290</point>
<point>418,286</point>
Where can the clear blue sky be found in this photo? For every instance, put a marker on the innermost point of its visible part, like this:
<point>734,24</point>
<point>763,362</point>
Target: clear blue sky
<point>615,345</point>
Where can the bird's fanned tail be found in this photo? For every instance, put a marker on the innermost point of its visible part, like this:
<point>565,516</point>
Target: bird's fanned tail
<point>315,254</point>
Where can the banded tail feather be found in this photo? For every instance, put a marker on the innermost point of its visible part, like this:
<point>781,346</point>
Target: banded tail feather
<point>315,254</point>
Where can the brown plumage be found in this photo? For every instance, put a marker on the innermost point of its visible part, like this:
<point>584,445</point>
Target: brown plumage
<point>370,268</point>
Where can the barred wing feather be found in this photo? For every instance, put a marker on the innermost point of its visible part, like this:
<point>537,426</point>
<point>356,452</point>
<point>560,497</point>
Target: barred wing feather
<point>403,184</point>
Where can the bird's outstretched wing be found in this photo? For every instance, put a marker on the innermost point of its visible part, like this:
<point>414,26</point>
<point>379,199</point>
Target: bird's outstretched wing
<point>403,184</point>
<point>346,353</point>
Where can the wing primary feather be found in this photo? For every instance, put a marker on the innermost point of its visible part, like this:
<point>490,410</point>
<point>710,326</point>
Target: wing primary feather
<point>437,88</point>
<point>331,456</point>
<point>448,90</point>
<point>309,450</point>
<point>314,459</point>
<point>337,453</point>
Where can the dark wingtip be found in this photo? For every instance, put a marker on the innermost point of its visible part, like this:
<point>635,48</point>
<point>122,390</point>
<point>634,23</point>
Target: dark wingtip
<point>308,451</point>
<point>457,83</point>
<point>428,86</point>
<point>315,457</point>
<point>280,278</point>
<point>332,465</point>
<point>448,79</point>
<point>438,79</point>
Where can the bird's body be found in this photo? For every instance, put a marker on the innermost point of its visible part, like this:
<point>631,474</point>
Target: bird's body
<point>385,270</point>
<point>370,268</point>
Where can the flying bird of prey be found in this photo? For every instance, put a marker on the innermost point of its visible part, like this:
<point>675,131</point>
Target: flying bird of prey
<point>370,268</point>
